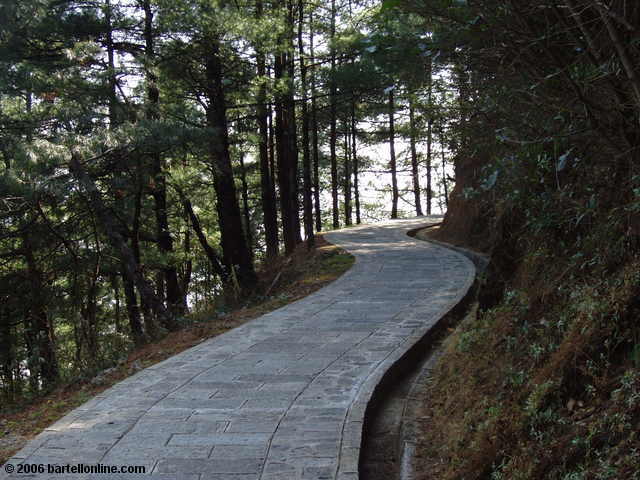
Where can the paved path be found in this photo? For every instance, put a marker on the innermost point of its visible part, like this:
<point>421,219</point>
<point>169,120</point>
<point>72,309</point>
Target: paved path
<point>281,397</point>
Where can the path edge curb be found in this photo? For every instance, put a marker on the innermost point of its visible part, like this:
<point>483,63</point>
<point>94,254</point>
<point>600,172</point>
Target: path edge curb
<point>399,358</point>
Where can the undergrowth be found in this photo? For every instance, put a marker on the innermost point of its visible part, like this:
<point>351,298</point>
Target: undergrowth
<point>545,382</point>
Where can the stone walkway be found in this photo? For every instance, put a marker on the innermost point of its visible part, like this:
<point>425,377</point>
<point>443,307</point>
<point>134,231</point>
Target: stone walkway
<point>281,397</point>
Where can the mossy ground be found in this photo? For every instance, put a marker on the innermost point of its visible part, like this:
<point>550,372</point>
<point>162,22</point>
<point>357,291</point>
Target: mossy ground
<point>298,275</point>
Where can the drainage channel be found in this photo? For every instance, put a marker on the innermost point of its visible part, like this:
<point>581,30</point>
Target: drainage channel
<point>388,441</point>
<point>389,430</point>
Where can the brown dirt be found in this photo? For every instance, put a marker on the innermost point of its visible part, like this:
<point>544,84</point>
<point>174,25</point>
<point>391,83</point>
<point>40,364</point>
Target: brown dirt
<point>467,218</point>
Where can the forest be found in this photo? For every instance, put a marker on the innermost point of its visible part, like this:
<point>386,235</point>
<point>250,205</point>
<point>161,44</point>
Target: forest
<point>156,153</point>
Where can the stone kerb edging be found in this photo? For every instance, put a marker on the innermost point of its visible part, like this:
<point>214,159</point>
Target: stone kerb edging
<point>353,428</point>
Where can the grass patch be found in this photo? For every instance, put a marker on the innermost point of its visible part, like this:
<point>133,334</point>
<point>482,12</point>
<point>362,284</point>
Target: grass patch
<point>281,282</point>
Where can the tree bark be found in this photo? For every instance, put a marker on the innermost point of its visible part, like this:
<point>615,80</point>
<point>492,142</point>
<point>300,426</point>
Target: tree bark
<point>292,126</point>
<point>173,294</point>
<point>415,173</point>
<point>272,157</point>
<point>267,190</point>
<point>392,157</point>
<point>113,98</point>
<point>246,211</point>
<point>236,254</point>
<point>429,140</point>
<point>212,256</point>
<point>131,269</point>
<point>7,357</point>
<point>152,327</point>
<point>348,217</point>
<point>332,118</point>
<point>115,286</point>
<point>133,310</point>
<point>306,152</point>
<point>356,165</point>
<point>41,329</point>
<point>314,132</point>
<point>185,278</point>
<point>286,142</point>
<point>445,186</point>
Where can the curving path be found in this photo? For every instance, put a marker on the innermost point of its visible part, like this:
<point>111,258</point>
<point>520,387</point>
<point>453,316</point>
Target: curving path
<point>281,397</point>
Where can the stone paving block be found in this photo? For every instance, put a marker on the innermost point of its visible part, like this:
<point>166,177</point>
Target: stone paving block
<point>176,414</point>
<point>219,439</point>
<point>321,448</point>
<point>151,426</point>
<point>239,451</point>
<point>129,454</point>
<point>273,379</point>
<point>213,403</point>
<point>148,439</point>
<point>251,426</point>
<point>210,466</point>
<point>268,403</point>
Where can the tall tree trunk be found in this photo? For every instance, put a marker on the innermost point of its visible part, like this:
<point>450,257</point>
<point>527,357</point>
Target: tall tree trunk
<point>314,131</point>
<point>414,156</point>
<point>4,150</point>
<point>332,118</point>
<point>88,322</point>
<point>187,269</point>
<point>7,358</point>
<point>212,256</point>
<point>272,156</point>
<point>445,186</point>
<point>133,309</point>
<point>29,107</point>
<point>292,128</point>
<point>152,324</point>
<point>174,295</point>
<point>306,152</point>
<point>246,211</point>
<point>131,268</point>
<point>41,329</point>
<point>267,189</point>
<point>131,300</point>
<point>392,157</point>
<point>348,217</point>
<point>89,306</point>
<point>286,141</point>
<point>113,98</point>
<point>356,165</point>
<point>235,250</point>
<point>115,286</point>
<point>429,140</point>
<point>39,333</point>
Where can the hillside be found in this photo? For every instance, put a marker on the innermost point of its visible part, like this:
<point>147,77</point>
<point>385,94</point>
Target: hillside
<point>544,382</point>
